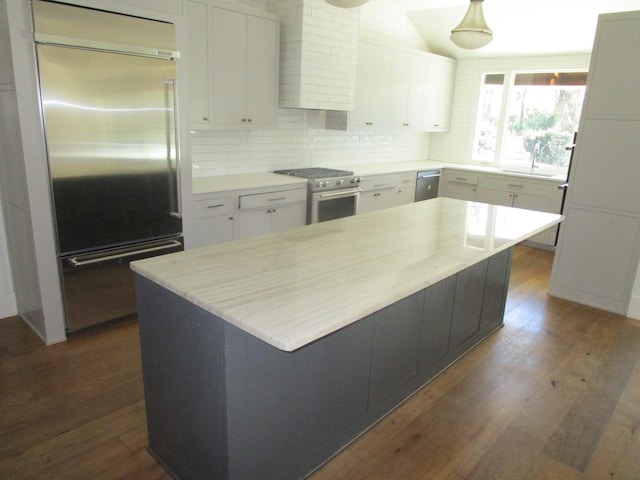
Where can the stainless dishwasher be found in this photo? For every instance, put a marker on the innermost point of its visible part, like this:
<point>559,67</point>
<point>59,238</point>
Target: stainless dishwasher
<point>427,185</point>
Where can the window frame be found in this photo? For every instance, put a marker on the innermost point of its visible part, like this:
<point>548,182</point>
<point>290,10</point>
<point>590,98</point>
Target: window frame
<point>502,125</point>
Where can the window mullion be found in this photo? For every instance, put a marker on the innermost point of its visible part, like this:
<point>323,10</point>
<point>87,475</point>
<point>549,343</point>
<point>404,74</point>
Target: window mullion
<point>502,120</point>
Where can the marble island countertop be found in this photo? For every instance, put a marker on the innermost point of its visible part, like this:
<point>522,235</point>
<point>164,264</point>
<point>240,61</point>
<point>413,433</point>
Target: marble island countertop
<point>293,287</point>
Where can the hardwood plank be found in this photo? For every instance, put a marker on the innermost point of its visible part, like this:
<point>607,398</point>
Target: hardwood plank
<point>76,410</point>
<point>578,434</point>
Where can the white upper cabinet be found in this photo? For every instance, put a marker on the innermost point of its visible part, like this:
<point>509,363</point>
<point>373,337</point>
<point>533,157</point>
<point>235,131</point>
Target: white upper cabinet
<point>373,84</point>
<point>409,88</point>
<point>441,73</point>
<point>399,89</point>
<point>613,84</point>
<point>233,68</point>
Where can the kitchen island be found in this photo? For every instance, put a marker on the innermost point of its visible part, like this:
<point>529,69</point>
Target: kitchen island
<point>262,358</point>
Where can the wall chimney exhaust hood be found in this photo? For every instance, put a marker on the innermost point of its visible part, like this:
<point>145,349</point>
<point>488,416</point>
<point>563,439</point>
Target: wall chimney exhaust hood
<point>318,54</point>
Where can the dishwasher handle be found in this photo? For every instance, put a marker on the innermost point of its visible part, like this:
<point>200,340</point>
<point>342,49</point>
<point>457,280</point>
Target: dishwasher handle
<point>428,174</point>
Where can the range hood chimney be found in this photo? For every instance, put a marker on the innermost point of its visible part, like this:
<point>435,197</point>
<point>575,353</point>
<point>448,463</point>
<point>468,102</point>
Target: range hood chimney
<point>318,54</point>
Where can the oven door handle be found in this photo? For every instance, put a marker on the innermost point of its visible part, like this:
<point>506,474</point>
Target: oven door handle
<point>341,193</point>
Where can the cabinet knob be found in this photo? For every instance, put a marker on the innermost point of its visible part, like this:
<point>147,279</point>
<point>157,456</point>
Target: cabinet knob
<point>230,218</point>
<point>249,120</point>
<point>244,120</point>
<point>205,119</point>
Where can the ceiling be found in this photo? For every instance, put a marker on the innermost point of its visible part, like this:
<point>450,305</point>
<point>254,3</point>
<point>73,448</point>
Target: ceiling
<point>520,27</point>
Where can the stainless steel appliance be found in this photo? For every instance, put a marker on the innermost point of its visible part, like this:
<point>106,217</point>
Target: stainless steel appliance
<point>331,193</point>
<point>427,185</point>
<point>108,99</point>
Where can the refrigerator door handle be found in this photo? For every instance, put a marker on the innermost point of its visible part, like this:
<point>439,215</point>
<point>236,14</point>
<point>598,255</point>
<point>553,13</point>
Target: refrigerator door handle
<point>173,160</point>
<point>81,261</point>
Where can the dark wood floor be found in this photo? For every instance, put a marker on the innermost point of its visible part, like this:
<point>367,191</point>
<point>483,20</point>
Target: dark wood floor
<point>555,394</point>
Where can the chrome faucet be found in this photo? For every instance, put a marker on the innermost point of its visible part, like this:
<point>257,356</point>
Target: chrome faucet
<point>535,156</point>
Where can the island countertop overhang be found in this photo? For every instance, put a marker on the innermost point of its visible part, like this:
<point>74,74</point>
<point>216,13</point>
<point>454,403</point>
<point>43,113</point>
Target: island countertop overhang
<point>294,287</point>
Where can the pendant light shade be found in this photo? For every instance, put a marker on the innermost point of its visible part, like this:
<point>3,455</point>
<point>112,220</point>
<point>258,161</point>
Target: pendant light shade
<point>473,31</point>
<point>347,3</point>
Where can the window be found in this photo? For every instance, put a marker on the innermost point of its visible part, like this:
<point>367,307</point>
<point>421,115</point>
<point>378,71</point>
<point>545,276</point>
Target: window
<point>528,118</point>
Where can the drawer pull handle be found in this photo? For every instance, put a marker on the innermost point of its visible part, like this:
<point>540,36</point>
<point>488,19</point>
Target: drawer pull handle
<point>517,185</point>
<point>462,179</point>
<point>277,199</point>
<point>216,206</point>
<point>379,185</point>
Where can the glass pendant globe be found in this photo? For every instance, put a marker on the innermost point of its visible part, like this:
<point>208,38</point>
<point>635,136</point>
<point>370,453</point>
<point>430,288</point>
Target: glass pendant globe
<point>473,31</point>
<point>347,3</point>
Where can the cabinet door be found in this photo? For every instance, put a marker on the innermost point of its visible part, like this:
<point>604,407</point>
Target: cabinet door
<point>468,304</point>
<point>404,195</point>
<point>439,95</point>
<point>386,198</point>
<point>198,58</point>
<point>253,223</point>
<point>367,202</point>
<point>262,71</point>
<point>399,92</point>
<point>288,216</point>
<point>408,90</point>
<point>229,66</point>
<point>417,98</point>
<point>213,230</point>
<point>436,323</point>
<point>460,191</point>
<point>495,293</point>
<point>396,336</point>
<point>495,197</point>
<point>373,83</point>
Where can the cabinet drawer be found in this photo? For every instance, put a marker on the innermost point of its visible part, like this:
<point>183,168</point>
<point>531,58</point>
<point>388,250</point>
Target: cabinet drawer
<point>462,177</point>
<point>378,183</point>
<point>407,180</point>
<point>517,184</point>
<point>273,198</point>
<point>213,206</point>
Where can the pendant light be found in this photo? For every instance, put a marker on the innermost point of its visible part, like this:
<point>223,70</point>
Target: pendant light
<point>347,3</point>
<point>473,31</point>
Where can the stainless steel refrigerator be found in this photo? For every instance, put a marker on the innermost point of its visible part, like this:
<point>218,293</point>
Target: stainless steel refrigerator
<point>108,98</point>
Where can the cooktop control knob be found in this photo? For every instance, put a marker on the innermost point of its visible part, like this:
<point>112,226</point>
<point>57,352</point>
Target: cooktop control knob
<point>322,184</point>
<point>356,179</point>
<point>340,182</point>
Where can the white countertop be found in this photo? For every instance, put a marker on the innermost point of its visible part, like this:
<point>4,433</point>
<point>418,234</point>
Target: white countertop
<point>225,183</point>
<point>293,287</point>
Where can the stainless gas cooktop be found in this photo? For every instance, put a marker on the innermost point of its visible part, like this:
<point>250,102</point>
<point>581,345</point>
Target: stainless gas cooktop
<point>321,178</point>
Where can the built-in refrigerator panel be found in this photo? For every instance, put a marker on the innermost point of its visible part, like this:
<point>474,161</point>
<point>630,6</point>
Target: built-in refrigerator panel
<point>111,144</point>
<point>108,97</point>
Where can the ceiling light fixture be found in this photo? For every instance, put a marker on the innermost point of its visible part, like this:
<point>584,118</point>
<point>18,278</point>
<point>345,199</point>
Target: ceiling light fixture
<point>347,3</point>
<point>473,31</point>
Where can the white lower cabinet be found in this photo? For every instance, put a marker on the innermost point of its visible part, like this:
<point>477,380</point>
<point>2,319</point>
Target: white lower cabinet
<point>264,213</point>
<point>214,219</point>
<point>385,191</point>
<point>406,189</point>
<point>459,184</point>
<point>247,213</point>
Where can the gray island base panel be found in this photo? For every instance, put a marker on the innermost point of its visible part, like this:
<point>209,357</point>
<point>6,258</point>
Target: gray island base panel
<point>223,404</point>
